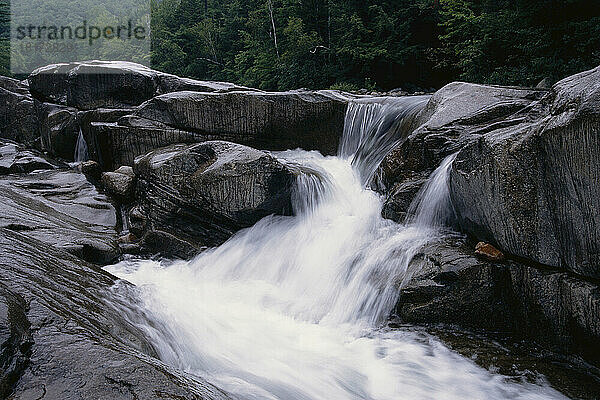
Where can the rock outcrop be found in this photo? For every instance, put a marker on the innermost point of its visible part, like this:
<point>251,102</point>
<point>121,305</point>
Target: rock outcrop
<point>200,194</point>
<point>525,177</point>
<point>60,208</point>
<point>126,110</point>
<point>14,158</point>
<point>270,121</point>
<point>109,84</point>
<point>65,333</point>
<point>532,188</point>
<point>58,129</point>
<point>456,115</point>
<point>451,285</point>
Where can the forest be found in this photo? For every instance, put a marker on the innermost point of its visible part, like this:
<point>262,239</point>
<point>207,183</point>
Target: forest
<point>370,44</point>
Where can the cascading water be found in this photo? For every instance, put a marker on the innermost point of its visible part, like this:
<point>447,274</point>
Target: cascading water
<point>373,127</point>
<point>81,149</point>
<point>292,308</point>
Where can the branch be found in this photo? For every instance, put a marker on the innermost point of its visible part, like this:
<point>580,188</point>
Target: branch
<point>313,51</point>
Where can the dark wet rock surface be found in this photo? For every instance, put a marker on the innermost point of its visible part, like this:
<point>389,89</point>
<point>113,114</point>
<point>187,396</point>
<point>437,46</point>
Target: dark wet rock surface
<point>203,193</point>
<point>15,158</point>
<point>64,336</point>
<point>109,84</point>
<point>456,115</point>
<point>452,285</point>
<point>58,129</point>
<point>271,121</point>
<point>18,117</point>
<point>61,209</point>
<point>120,184</point>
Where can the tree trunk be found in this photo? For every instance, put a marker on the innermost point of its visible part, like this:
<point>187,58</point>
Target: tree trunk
<point>270,4</point>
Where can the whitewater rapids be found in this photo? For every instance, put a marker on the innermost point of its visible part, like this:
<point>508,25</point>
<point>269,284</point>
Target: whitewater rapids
<point>293,307</point>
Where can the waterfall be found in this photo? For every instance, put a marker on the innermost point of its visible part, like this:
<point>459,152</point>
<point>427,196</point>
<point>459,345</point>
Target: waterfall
<point>81,149</point>
<point>373,128</point>
<point>292,308</point>
<point>432,206</point>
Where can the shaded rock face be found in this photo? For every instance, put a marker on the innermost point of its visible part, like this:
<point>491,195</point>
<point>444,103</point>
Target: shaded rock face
<point>18,117</point>
<point>274,121</point>
<point>109,84</point>
<point>452,285</point>
<point>532,189</point>
<point>61,209</point>
<point>202,193</point>
<point>65,334</point>
<point>58,128</point>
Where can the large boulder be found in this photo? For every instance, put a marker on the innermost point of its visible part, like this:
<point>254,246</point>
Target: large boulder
<point>113,145</point>
<point>60,208</point>
<point>110,84</point>
<point>456,115</point>
<point>532,188</point>
<point>119,184</point>
<point>202,193</point>
<point>525,177</point>
<point>271,121</point>
<point>452,285</point>
<point>67,331</point>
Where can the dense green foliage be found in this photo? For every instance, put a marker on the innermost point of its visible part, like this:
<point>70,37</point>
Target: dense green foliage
<point>283,44</point>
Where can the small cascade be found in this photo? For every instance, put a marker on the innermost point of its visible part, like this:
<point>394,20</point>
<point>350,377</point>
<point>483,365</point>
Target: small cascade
<point>81,149</point>
<point>432,206</point>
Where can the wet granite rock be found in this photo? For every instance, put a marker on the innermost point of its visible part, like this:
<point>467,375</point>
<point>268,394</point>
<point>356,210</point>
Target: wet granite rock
<point>66,332</point>
<point>552,308</point>
<point>14,85</point>
<point>91,169</point>
<point>265,120</point>
<point>58,129</point>
<point>525,177</point>
<point>203,193</point>
<point>112,145</point>
<point>89,85</point>
<point>61,209</point>
<point>14,158</point>
<point>94,84</point>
